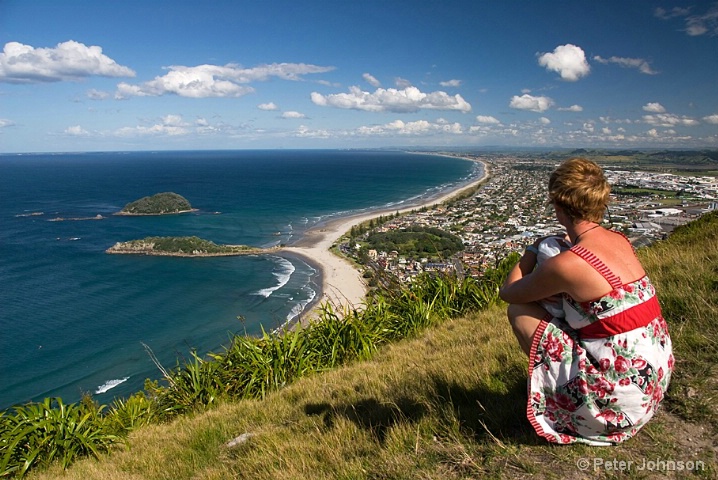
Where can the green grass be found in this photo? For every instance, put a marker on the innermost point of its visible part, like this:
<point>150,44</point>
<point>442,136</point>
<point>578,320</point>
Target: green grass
<point>430,383</point>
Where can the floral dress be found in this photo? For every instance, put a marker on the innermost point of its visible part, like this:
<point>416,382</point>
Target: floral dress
<point>598,375</point>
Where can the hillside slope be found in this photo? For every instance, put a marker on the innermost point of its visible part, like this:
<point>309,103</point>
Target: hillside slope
<point>449,404</point>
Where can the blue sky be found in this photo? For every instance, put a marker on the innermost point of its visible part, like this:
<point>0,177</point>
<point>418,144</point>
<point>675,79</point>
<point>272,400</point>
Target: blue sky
<point>160,75</point>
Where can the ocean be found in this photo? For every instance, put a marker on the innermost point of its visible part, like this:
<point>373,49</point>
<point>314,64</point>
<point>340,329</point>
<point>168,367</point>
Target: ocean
<point>76,320</point>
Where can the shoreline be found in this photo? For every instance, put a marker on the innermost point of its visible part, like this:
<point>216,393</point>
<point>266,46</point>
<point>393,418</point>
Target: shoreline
<point>341,282</point>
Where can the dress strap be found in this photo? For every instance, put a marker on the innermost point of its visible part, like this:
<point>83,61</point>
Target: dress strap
<point>598,265</point>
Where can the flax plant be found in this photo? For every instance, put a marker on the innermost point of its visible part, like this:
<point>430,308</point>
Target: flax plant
<point>38,434</point>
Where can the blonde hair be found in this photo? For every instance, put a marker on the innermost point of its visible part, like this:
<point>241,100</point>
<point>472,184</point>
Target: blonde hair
<point>580,188</point>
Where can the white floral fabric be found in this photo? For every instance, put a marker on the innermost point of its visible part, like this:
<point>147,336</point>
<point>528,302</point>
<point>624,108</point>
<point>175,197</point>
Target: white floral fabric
<point>598,375</point>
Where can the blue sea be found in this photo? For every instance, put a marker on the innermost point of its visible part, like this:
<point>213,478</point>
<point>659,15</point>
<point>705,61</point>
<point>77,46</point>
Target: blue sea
<point>76,320</point>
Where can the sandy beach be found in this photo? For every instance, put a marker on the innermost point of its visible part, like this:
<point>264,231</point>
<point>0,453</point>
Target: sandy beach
<point>342,284</point>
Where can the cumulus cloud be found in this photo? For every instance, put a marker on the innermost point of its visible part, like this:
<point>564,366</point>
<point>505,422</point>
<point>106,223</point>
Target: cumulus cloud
<point>568,60</point>
<point>669,120</point>
<point>713,119</point>
<point>292,114</point>
<point>642,65</point>
<point>204,81</point>
<point>68,61</point>
<point>419,127</point>
<point>409,99</point>
<point>371,80</point>
<point>271,106</point>
<point>451,83</point>
<point>572,108</point>
<point>169,125</point>
<point>654,107</point>
<point>76,131</point>
<point>544,121</point>
<point>531,103</point>
<point>488,120</point>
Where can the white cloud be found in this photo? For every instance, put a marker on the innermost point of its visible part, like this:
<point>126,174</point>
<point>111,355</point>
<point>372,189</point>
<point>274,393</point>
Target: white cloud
<point>652,133</point>
<point>76,131</point>
<point>451,83</point>
<point>529,102</point>
<point>544,121</point>
<point>642,65</point>
<point>94,94</point>
<point>487,119</point>
<point>271,106</point>
<point>410,99</point>
<point>703,24</point>
<point>664,14</point>
<point>169,125</point>
<point>417,128</point>
<point>204,81</point>
<point>371,80</point>
<point>654,107</point>
<point>292,114</point>
<point>70,60</point>
<point>568,60</point>
<point>402,82</point>
<point>572,108</point>
<point>4,122</point>
<point>696,25</point>
<point>669,120</point>
<point>709,119</point>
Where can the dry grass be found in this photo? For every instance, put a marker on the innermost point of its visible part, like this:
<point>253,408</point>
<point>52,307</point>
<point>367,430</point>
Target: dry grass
<point>450,404</point>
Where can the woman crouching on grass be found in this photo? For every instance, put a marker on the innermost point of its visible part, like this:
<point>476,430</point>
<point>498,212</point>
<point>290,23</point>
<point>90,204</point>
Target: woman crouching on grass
<point>597,375</point>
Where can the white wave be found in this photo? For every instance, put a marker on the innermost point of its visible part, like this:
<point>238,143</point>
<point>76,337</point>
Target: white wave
<point>282,272</point>
<point>110,384</point>
<point>298,309</point>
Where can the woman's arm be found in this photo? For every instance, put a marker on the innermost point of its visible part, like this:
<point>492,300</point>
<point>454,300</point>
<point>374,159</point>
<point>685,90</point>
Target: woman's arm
<point>527,283</point>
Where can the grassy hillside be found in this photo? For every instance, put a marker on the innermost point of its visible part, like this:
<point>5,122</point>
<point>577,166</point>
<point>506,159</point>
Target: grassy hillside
<point>449,403</point>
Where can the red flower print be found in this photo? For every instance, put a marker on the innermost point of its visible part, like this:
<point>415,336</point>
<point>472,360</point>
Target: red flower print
<point>564,402</point>
<point>616,437</point>
<point>660,373</point>
<point>604,364</point>
<point>638,363</point>
<point>601,387</point>
<point>608,415</point>
<point>617,294</point>
<point>657,395</point>
<point>553,348</point>
<point>671,361</point>
<point>621,364</point>
<point>628,288</point>
<point>582,386</point>
<point>624,382</point>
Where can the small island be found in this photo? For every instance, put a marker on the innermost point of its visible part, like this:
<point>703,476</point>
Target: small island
<point>167,203</point>
<point>183,247</point>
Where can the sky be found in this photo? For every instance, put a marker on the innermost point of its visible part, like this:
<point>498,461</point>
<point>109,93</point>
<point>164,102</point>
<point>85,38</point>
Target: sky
<point>174,75</point>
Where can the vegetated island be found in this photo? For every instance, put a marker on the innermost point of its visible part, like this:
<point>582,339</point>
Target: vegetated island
<point>166,203</point>
<point>183,247</point>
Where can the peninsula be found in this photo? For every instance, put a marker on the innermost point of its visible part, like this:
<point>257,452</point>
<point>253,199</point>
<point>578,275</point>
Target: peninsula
<point>183,247</point>
<point>166,203</point>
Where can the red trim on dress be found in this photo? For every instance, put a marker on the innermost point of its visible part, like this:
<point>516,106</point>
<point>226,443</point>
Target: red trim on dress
<point>637,316</point>
<point>538,334</point>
